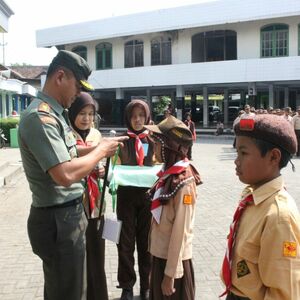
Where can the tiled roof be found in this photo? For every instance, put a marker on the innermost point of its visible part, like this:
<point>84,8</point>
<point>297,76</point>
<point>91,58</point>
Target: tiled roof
<point>30,72</point>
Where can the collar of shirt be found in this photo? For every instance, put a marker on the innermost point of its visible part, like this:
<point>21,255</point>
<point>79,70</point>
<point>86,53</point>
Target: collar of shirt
<point>52,102</point>
<point>266,190</point>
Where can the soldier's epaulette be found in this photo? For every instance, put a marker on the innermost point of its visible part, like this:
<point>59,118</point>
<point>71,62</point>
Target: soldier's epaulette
<point>44,107</point>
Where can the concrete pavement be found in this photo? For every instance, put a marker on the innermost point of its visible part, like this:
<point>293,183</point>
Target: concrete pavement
<point>21,272</point>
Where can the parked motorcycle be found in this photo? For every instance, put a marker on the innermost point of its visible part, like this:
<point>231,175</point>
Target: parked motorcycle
<point>3,139</point>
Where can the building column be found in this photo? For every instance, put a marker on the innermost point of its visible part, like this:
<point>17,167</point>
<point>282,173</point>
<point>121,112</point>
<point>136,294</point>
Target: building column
<point>3,102</point>
<point>149,99</point>
<point>10,102</point>
<point>179,101</point>
<point>286,96</point>
<point>271,95</point>
<point>205,107</point>
<point>118,107</point>
<point>193,103</point>
<point>226,94</point>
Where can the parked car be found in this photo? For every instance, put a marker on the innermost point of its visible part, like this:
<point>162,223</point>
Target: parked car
<point>213,112</point>
<point>232,114</point>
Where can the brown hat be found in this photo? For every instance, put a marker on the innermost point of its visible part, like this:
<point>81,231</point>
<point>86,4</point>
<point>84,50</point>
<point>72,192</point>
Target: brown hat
<point>76,64</point>
<point>270,128</point>
<point>173,129</point>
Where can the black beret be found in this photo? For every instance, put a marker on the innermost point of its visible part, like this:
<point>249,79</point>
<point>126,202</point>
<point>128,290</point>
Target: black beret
<point>173,129</point>
<point>76,64</point>
<point>270,128</point>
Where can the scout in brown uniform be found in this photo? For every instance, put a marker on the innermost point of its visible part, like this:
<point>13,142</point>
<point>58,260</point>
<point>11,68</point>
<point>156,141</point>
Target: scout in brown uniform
<point>133,209</point>
<point>263,258</point>
<point>173,208</point>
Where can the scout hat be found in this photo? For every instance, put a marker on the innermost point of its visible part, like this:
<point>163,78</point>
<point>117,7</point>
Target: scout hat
<point>76,64</point>
<point>270,128</point>
<point>173,129</point>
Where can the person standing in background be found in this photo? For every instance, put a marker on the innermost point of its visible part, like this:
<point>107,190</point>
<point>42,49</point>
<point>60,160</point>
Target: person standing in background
<point>296,124</point>
<point>82,114</point>
<point>191,126</point>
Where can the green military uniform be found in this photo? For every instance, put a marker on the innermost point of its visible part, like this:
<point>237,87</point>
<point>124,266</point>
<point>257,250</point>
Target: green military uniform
<point>57,223</point>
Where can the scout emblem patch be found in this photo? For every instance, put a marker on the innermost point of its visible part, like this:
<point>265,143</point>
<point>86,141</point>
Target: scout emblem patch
<point>290,249</point>
<point>242,269</point>
<point>187,199</point>
<point>44,107</point>
<point>247,124</point>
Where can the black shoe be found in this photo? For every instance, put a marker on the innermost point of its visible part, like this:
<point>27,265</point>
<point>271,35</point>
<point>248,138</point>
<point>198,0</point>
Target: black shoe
<point>127,294</point>
<point>144,294</point>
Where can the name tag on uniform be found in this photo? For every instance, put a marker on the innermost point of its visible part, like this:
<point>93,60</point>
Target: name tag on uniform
<point>145,147</point>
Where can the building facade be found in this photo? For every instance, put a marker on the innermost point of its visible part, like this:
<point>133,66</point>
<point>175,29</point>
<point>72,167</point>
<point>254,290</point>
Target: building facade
<point>242,51</point>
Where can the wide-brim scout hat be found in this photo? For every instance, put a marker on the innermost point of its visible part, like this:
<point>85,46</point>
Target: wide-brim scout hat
<point>270,128</point>
<point>77,65</point>
<point>173,129</point>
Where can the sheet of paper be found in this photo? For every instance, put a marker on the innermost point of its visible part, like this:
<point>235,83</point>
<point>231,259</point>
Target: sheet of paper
<point>112,229</point>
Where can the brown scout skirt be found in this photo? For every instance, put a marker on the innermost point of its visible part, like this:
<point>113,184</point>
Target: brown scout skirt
<point>185,286</point>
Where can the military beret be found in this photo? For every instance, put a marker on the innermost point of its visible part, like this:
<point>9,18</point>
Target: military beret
<point>270,128</point>
<point>173,129</point>
<point>76,64</point>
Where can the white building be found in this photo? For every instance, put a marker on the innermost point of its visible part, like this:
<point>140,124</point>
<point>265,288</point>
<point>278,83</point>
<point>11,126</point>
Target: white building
<point>14,94</point>
<point>245,50</point>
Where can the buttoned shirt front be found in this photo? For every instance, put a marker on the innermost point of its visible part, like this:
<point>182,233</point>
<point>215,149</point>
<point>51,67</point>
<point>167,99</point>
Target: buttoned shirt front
<point>266,257</point>
<point>46,140</point>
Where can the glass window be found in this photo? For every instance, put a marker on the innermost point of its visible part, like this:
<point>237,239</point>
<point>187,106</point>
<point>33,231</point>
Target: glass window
<point>81,50</point>
<point>134,54</point>
<point>274,40</point>
<point>103,56</point>
<point>214,46</point>
<point>161,51</point>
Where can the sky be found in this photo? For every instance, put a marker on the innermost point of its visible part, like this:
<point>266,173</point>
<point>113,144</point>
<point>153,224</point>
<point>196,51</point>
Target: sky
<point>31,15</point>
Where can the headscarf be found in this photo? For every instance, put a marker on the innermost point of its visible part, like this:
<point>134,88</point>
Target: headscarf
<point>128,111</point>
<point>80,102</point>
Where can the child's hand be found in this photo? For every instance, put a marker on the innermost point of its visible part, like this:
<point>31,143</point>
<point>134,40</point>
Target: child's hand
<point>167,286</point>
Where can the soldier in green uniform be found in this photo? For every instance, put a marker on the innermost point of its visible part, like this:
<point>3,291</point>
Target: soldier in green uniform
<point>57,223</point>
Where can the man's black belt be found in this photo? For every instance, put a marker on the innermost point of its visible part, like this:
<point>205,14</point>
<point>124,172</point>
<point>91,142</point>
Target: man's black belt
<point>62,205</point>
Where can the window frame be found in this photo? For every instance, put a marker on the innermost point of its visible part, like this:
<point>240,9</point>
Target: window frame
<point>133,48</point>
<point>164,58</point>
<point>103,48</point>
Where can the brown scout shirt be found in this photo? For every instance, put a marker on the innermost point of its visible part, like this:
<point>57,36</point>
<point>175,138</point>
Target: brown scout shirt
<point>172,238</point>
<point>266,259</point>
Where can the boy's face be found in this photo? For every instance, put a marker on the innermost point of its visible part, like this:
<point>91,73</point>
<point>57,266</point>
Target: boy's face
<point>138,118</point>
<point>251,167</point>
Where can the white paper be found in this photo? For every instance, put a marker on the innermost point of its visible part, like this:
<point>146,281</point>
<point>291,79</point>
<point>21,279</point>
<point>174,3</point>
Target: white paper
<point>112,229</point>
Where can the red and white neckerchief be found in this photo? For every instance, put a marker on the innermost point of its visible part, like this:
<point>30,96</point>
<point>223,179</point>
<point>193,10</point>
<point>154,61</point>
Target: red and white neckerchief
<point>139,150</point>
<point>177,168</point>
<point>226,267</point>
<point>92,187</point>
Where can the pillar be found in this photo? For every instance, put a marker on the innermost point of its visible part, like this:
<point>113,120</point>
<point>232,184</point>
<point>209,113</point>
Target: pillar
<point>118,107</point>
<point>226,94</point>
<point>271,95</point>
<point>179,101</point>
<point>205,107</point>
<point>286,96</point>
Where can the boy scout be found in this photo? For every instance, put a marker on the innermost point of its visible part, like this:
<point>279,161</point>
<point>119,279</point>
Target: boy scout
<point>57,224</point>
<point>173,208</point>
<point>263,258</point>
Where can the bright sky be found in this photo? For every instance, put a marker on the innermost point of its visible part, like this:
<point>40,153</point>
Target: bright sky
<point>30,15</point>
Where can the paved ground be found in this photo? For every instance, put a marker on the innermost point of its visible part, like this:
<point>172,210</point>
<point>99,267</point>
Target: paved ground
<point>21,271</point>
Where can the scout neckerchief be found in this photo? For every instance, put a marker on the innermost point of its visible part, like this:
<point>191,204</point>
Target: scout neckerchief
<point>93,187</point>
<point>226,267</point>
<point>177,168</point>
<point>139,150</point>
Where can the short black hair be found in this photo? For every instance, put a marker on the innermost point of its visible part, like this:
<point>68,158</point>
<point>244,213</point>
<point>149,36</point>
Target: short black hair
<point>264,147</point>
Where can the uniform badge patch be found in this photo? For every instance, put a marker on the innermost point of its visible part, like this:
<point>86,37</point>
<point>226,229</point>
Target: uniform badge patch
<point>187,199</point>
<point>242,269</point>
<point>290,249</point>
<point>44,107</point>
